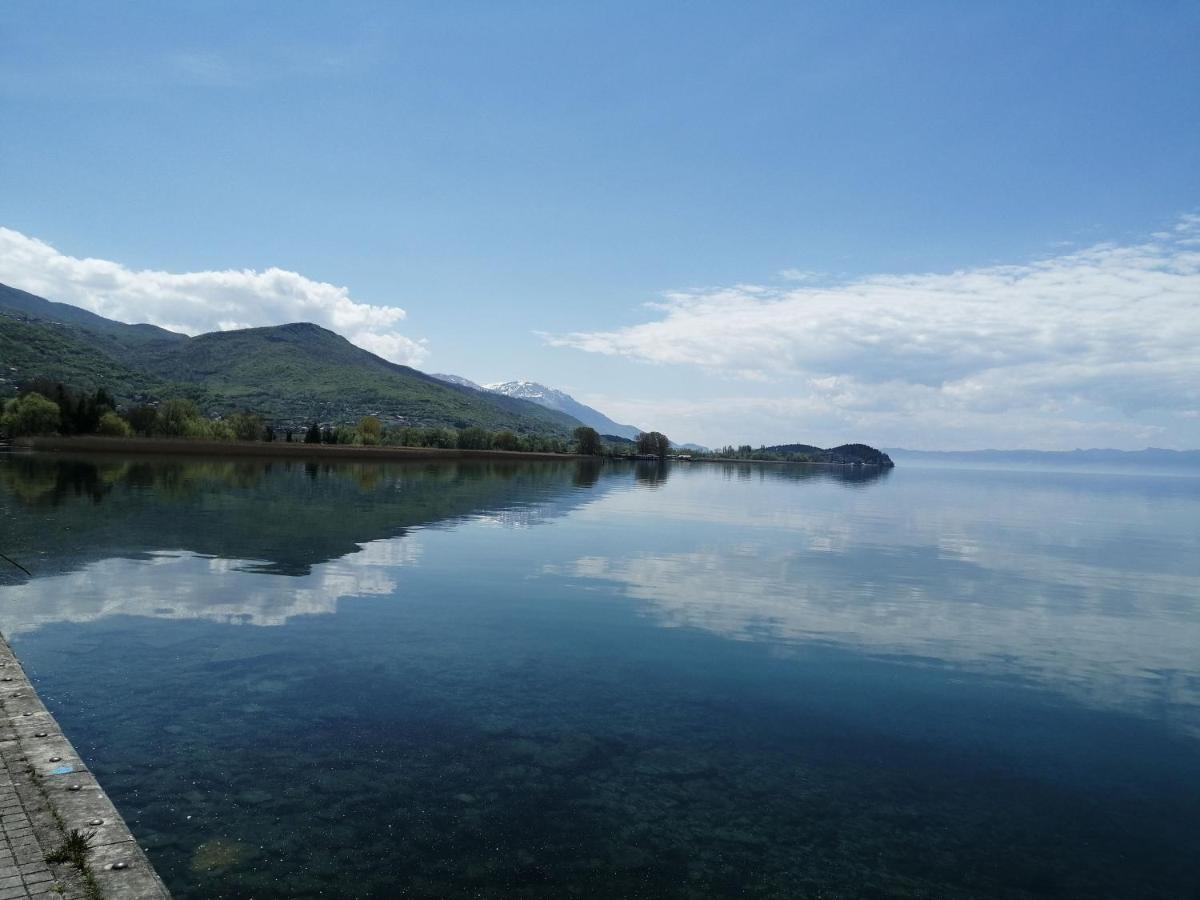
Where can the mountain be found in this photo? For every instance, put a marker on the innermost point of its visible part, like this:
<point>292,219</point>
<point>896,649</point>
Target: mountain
<point>457,379</point>
<point>114,335</point>
<point>1151,456</point>
<point>30,348</point>
<point>563,402</point>
<point>297,372</point>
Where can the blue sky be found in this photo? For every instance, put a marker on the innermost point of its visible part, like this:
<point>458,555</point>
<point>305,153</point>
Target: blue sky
<point>522,179</point>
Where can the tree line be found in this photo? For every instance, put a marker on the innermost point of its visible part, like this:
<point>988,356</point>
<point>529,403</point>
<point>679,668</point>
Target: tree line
<point>43,407</point>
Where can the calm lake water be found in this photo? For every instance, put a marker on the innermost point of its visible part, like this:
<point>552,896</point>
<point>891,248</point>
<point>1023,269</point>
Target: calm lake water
<point>552,680</point>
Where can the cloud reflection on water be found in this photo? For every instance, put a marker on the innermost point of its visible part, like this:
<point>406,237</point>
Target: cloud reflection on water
<point>1081,586</point>
<point>185,585</point>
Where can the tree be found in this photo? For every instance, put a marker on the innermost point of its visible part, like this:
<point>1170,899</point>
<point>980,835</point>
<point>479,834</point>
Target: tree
<point>506,440</point>
<point>246,425</point>
<point>216,430</point>
<point>87,414</point>
<point>438,437</point>
<point>66,409</point>
<point>143,419</point>
<point>112,425</point>
<point>474,438</point>
<point>653,443</point>
<point>104,400</point>
<point>313,435</point>
<point>268,433</point>
<point>369,430</point>
<point>176,418</point>
<point>31,414</point>
<point>588,440</point>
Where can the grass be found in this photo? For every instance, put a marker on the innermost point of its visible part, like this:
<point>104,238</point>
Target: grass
<point>74,849</point>
<point>76,845</point>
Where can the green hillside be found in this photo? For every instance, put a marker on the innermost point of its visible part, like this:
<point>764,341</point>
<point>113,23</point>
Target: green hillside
<point>843,454</point>
<point>31,349</point>
<point>297,372</point>
<point>302,367</point>
<point>107,334</point>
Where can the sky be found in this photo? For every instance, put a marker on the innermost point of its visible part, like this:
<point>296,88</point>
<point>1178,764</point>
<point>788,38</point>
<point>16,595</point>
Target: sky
<point>928,225</point>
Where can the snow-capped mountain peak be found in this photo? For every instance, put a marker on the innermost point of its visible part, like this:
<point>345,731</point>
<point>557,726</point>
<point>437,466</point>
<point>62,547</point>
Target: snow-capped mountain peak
<point>457,379</point>
<point>531,390</point>
<point>550,398</point>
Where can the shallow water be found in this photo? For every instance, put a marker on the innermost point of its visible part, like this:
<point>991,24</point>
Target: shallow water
<point>553,680</point>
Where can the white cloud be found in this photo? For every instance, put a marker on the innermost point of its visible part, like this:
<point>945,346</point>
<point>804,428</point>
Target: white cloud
<point>1100,342</point>
<point>196,302</point>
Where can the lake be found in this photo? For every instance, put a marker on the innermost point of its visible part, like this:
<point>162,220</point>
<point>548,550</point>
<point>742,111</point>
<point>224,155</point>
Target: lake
<point>617,680</point>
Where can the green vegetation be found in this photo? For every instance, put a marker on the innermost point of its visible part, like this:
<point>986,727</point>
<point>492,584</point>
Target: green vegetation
<point>74,849</point>
<point>112,425</point>
<point>246,426</point>
<point>31,349</point>
<point>289,374</point>
<point>843,455</point>
<point>653,443</point>
<point>30,414</point>
<point>587,440</point>
<point>76,845</point>
<point>75,412</point>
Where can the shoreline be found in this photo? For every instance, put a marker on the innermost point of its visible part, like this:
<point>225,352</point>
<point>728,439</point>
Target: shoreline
<point>789,462</point>
<point>274,450</point>
<point>299,450</point>
<point>48,792</point>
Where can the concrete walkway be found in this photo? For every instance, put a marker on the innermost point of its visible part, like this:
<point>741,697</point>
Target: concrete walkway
<point>46,792</point>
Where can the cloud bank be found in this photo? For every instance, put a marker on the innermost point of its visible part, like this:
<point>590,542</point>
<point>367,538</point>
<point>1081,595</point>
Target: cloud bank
<point>1102,341</point>
<point>197,302</point>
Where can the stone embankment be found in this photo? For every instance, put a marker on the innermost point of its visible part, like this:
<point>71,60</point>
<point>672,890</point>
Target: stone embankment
<point>48,797</point>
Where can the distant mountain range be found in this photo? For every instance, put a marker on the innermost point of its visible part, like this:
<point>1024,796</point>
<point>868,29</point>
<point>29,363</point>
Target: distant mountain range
<point>550,398</point>
<point>298,372</point>
<point>1151,456</point>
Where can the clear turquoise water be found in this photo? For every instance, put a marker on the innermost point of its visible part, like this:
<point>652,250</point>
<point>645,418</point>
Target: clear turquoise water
<point>560,680</point>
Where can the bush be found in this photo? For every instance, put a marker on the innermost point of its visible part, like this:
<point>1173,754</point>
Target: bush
<point>246,426</point>
<point>506,440</point>
<point>176,418</point>
<point>369,430</point>
<point>112,425</point>
<point>143,419</point>
<point>31,414</point>
<point>438,437</point>
<point>220,431</point>
<point>474,439</point>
